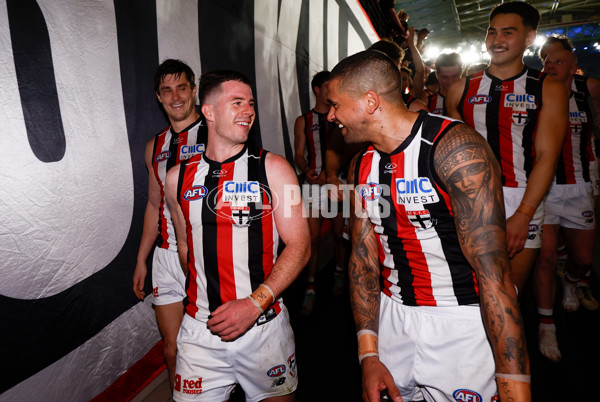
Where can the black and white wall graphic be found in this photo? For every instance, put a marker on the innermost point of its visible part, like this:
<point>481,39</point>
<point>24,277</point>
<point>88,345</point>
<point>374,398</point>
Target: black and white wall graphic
<point>77,106</point>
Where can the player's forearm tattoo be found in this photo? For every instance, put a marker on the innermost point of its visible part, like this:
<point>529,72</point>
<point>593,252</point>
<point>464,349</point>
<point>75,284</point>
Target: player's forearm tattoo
<point>469,170</point>
<point>363,273</point>
<point>363,266</point>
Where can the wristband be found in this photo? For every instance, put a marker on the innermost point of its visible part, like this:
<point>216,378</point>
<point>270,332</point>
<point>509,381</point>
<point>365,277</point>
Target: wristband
<point>367,344</point>
<point>515,377</point>
<point>262,297</point>
<point>516,386</point>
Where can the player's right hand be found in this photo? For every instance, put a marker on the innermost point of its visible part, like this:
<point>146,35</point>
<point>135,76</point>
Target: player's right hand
<point>377,378</point>
<point>139,277</point>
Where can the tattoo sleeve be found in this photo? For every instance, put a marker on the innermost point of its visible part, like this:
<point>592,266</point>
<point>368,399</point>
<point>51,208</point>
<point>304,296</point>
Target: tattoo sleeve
<point>468,169</point>
<point>363,268</point>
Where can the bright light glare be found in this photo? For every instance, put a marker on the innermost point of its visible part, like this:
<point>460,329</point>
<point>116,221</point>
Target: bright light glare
<point>432,52</point>
<point>539,40</point>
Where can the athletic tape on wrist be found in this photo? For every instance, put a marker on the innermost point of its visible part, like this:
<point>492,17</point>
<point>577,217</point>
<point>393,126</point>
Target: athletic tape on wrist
<point>263,296</point>
<point>367,344</point>
<point>515,377</point>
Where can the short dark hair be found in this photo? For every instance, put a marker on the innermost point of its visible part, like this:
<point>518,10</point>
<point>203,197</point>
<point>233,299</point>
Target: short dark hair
<point>212,80</point>
<point>319,79</point>
<point>369,70</point>
<point>173,67</point>
<point>530,15</point>
<point>564,42</point>
<point>390,49</point>
<point>449,60</point>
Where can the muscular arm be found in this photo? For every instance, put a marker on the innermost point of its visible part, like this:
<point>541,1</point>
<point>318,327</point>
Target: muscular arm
<point>150,228</point>
<point>363,278</point>
<point>468,169</point>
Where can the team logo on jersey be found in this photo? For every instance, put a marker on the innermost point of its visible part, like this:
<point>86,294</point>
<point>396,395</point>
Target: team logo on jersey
<point>163,156</point>
<point>219,173</point>
<point>587,214</point>
<point>420,219</point>
<point>314,127</point>
<point>501,87</point>
<point>241,202</point>
<point>466,395</point>
<point>480,99</point>
<point>533,228</point>
<point>187,151</point>
<point>576,129</point>
<point>240,216</point>
<point>370,191</point>
<point>438,111</point>
<point>415,191</point>
<point>520,101</point>
<point>195,193</point>
<point>519,118</point>
<point>291,361</point>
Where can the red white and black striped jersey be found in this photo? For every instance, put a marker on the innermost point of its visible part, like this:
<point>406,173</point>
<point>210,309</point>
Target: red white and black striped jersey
<point>574,163</point>
<point>318,134</point>
<point>170,149</point>
<point>231,234</point>
<point>505,112</point>
<point>419,253</point>
<point>436,103</point>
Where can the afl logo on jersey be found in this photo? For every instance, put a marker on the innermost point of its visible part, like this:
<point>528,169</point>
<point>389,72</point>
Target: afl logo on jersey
<point>314,127</point>
<point>195,193</point>
<point>466,395</point>
<point>163,156</point>
<point>370,191</point>
<point>480,99</point>
<point>587,214</point>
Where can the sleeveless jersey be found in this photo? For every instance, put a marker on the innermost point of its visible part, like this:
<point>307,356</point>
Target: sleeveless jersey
<point>435,103</point>
<point>505,112</point>
<point>419,253</point>
<point>574,162</point>
<point>408,99</point>
<point>170,149</point>
<point>318,133</point>
<point>231,233</point>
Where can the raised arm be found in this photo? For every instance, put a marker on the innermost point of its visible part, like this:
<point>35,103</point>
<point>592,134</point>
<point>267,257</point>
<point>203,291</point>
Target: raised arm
<point>550,134</point>
<point>365,293</point>
<point>468,169</point>
<point>150,228</point>
<point>419,78</point>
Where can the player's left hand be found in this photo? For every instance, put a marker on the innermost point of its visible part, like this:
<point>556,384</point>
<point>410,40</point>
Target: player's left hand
<point>232,319</point>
